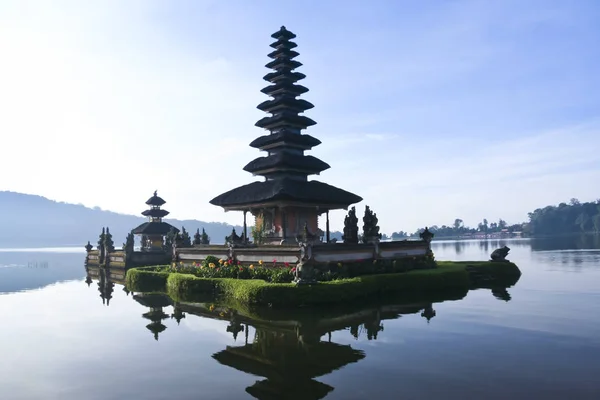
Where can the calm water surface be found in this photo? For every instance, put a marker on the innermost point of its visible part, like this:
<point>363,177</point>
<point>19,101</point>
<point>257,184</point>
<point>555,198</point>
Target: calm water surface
<point>69,336</point>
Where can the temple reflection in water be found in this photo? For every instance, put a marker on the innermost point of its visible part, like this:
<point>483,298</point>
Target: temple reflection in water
<point>288,349</point>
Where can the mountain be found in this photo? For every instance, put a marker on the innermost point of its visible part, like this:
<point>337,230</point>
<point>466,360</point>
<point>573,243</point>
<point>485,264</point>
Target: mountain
<point>35,221</point>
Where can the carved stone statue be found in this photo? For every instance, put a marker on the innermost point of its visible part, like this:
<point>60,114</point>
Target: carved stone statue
<point>351,227</point>
<point>304,269</point>
<point>234,238</point>
<point>500,254</point>
<point>129,243</point>
<point>109,244</point>
<point>101,246</point>
<point>370,227</point>
<point>201,238</point>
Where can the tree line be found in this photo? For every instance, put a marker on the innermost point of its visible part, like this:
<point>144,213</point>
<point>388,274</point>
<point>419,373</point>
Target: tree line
<point>572,217</point>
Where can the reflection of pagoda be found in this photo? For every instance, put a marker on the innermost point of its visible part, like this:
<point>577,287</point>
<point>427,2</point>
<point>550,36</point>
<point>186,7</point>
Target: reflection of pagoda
<point>428,313</point>
<point>289,362</point>
<point>178,313</point>
<point>286,204</point>
<point>155,302</point>
<point>154,231</point>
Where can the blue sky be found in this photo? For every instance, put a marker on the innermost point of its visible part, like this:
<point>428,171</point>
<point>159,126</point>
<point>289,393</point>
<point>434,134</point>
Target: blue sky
<point>428,110</point>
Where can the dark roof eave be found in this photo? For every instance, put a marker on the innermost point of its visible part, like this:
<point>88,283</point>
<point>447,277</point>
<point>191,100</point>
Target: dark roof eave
<point>311,193</point>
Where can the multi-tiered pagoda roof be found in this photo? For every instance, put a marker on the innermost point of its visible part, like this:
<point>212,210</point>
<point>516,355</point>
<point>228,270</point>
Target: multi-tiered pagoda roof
<point>155,214</point>
<point>285,167</point>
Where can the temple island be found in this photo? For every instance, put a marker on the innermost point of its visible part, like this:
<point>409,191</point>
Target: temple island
<point>286,243</point>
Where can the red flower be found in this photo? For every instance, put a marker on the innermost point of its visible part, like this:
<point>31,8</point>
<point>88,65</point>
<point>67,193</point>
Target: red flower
<point>287,264</point>
<point>239,262</point>
<point>241,269</point>
<point>274,261</point>
<point>293,269</point>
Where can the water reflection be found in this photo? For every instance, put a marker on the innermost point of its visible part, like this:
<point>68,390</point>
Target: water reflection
<point>460,246</point>
<point>106,279</point>
<point>290,349</point>
<point>21,270</point>
<point>566,242</point>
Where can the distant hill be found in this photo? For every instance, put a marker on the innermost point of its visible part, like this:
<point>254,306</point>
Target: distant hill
<point>35,221</point>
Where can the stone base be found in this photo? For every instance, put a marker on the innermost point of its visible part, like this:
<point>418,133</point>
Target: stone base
<point>301,281</point>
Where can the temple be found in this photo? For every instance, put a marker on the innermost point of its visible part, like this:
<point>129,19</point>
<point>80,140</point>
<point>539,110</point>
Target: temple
<point>154,231</point>
<point>286,205</point>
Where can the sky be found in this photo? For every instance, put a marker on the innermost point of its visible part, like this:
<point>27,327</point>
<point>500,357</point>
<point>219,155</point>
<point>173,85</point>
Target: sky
<point>430,111</point>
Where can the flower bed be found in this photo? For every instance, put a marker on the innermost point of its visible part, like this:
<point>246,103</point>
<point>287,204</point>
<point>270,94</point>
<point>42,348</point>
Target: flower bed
<point>276,272</point>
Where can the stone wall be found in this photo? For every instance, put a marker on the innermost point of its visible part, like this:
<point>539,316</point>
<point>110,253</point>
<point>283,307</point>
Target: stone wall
<point>319,253</point>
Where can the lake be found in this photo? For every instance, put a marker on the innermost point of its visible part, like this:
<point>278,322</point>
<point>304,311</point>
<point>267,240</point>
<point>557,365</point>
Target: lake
<point>67,334</point>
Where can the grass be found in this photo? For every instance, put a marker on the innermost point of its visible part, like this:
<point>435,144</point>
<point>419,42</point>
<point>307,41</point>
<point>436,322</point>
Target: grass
<point>448,276</point>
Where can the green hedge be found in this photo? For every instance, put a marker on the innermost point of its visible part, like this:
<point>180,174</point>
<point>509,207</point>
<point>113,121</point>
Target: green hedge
<point>448,276</point>
<point>146,279</point>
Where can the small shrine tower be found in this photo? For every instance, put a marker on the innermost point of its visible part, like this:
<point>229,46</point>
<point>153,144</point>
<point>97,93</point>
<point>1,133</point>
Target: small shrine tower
<point>155,229</point>
<point>286,204</point>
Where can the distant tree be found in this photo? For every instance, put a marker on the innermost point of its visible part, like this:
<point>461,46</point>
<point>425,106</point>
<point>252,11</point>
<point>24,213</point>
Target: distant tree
<point>458,223</point>
<point>596,221</point>
<point>582,220</point>
<point>204,239</point>
<point>564,218</point>
<point>399,235</point>
<point>197,237</point>
<point>501,224</point>
<point>170,238</point>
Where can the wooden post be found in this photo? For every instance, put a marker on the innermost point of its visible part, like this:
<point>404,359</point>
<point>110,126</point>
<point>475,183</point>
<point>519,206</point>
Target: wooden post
<point>327,225</point>
<point>245,227</point>
<point>283,223</point>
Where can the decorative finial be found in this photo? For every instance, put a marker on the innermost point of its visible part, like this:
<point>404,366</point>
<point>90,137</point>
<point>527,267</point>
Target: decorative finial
<point>283,28</point>
<point>155,193</point>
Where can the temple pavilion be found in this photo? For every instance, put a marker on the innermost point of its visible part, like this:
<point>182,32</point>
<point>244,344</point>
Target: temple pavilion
<point>286,205</point>
<point>154,231</point>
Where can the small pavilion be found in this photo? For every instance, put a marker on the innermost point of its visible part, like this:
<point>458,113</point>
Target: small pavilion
<point>286,205</point>
<point>155,229</point>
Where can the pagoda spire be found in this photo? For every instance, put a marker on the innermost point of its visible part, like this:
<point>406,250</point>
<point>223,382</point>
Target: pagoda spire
<point>286,201</point>
<point>285,143</point>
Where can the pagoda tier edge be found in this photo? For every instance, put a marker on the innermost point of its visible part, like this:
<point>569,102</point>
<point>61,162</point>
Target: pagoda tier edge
<point>283,161</point>
<point>308,193</point>
<point>154,228</point>
<point>284,138</point>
